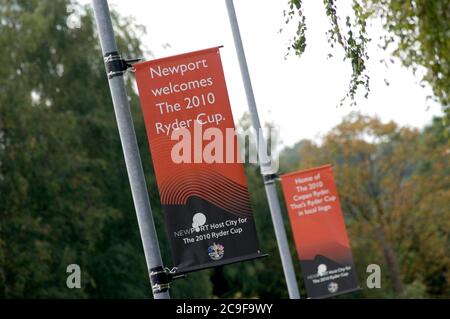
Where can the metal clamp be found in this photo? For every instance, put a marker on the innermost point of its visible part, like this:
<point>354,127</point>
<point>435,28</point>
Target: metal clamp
<point>115,65</point>
<point>270,178</point>
<point>161,278</point>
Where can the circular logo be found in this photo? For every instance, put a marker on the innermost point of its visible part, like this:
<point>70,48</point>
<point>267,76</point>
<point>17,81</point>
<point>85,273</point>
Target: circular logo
<point>198,220</point>
<point>215,251</point>
<point>322,269</point>
<point>333,287</point>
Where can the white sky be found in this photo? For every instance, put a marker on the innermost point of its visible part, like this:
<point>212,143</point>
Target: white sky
<point>298,94</point>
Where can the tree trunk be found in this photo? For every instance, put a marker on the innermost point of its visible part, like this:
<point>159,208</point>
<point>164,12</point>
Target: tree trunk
<point>391,262</point>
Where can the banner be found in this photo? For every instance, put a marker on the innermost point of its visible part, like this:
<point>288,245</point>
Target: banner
<point>319,232</point>
<point>194,149</point>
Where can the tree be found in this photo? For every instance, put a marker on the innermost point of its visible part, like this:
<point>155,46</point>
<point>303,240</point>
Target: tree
<point>41,154</point>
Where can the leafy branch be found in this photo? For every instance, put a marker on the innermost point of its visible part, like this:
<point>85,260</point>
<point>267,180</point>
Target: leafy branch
<point>353,40</point>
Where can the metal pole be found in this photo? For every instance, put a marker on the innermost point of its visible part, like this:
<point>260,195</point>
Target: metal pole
<point>271,191</point>
<point>130,151</point>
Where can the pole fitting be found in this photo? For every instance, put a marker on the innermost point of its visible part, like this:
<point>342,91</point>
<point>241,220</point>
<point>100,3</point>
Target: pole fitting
<point>115,65</point>
<point>270,178</point>
<point>161,278</point>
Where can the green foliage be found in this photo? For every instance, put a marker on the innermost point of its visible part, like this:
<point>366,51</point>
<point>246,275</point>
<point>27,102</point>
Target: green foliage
<point>415,290</point>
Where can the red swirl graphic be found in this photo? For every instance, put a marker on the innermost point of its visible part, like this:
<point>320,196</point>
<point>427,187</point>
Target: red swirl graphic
<point>208,185</point>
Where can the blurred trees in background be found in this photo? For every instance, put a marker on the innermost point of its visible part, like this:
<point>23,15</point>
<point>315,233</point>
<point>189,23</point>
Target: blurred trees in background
<point>65,198</point>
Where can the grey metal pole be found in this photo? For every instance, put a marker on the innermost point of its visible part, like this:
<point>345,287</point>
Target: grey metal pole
<point>271,191</point>
<point>131,153</point>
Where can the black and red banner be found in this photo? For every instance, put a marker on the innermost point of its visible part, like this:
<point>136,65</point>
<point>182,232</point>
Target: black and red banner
<point>201,182</point>
<point>319,232</point>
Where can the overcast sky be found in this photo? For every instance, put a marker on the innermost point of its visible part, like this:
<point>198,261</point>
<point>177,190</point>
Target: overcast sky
<point>298,94</point>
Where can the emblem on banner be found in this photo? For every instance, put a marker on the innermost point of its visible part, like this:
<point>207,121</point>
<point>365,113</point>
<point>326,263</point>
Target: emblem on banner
<point>216,251</point>
<point>333,287</point>
<point>198,220</point>
<point>322,269</point>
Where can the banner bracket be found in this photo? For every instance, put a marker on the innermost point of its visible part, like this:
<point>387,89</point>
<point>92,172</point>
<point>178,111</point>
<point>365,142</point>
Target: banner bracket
<point>172,273</point>
<point>270,178</point>
<point>116,65</point>
<point>161,278</point>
